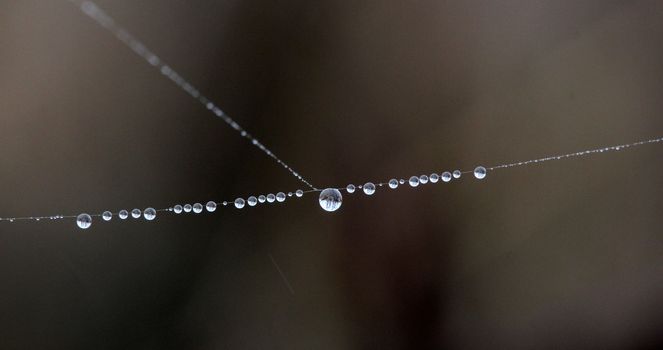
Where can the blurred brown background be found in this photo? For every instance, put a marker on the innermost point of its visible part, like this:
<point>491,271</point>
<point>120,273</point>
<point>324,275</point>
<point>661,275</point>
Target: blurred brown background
<point>560,255</point>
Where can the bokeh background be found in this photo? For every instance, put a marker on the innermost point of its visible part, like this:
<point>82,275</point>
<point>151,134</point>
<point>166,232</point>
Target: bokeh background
<point>559,255</point>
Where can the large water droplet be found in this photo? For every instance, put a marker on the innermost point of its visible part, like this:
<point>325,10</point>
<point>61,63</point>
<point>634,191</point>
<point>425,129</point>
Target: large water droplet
<point>210,206</point>
<point>84,221</point>
<point>456,174</point>
<point>149,214</point>
<point>446,176</point>
<point>280,197</point>
<point>331,199</point>
<point>423,179</point>
<point>393,183</point>
<point>197,208</point>
<point>135,213</point>
<point>350,188</point>
<point>414,181</point>
<point>187,208</point>
<point>123,214</point>
<point>271,198</point>
<point>262,198</point>
<point>239,203</point>
<point>252,201</point>
<point>434,178</point>
<point>369,188</point>
<point>178,209</point>
<point>299,193</point>
<point>107,216</point>
<point>479,172</point>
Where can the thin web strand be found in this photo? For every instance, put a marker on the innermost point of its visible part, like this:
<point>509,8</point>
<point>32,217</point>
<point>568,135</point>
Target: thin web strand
<point>93,11</point>
<point>230,203</point>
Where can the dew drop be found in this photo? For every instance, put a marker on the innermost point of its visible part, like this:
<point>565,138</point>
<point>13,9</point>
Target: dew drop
<point>135,213</point>
<point>149,214</point>
<point>369,188</point>
<point>271,198</point>
<point>252,201</point>
<point>446,176</point>
<point>456,174</point>
<point>280,197</point>
<point>123,214</point>
<point>239,203</point>
<point>331,199</point>
<point>84,221</point>
<point>107,216</point>
<point>401,181</point>
<point>197,208</point>
<point>290,194</point>
<point>434,178</point>
<point>480,172</point>
<point>350,188</point>
<point>414,181</point>
<point>210,206</point>
<point>262,199</point>
<point>299,193</point>
<point>187,208</point>
<point>177,209</point>
<point>393,183</point>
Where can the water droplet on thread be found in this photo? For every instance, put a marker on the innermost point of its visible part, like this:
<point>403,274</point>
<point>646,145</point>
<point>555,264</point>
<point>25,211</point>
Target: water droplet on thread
<point>350,188</point>
<point>239,203</point>
<point>197,208</point>
<point>271,198</point>
<point>434,178</point>
<point>210,206</point>
<point>456,174</point>
<point>423,179</point>
<point>135,213</point>
<point>84,221</point>
<point>149,214</point>
<point>413,181</point>
<point>252,201</point>
<point>280,197</point>
<point>123,214</point>
<point>446,176</point>
<point>369,188</point>
<point>480,172</point>
<point>299,193</point>
<point>187,208</point>
<point>330,199</point>
<point>262,198</point>
<point>393,183</point>
<point>177,209</point>
<point>107,216</point>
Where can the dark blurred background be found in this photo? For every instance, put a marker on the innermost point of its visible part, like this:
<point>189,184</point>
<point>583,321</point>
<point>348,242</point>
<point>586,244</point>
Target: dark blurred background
<point>560,255</point>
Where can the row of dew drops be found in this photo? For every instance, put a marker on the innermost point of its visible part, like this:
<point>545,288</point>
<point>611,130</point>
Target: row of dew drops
<point>330,199</point>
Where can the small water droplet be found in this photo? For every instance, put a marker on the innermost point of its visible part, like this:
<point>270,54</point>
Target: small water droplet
<point>350,188</point>
<point>239,203</point>
<point>149,214</point>
<point>252,201</point>
<point>369,188</point>
<point>299,193</point>
<point>434,178</point>
<point>330,199</point>
<point>197,208</point>
<point>135,213</point>
<point>262,199</point>
<point>271,198</point>
<point>210,206</point>
<point>393,183</point>
<point>187,208</point>
<point>401,181</point>
<point>84,221</point>
<point>456,174</point>
<point>280,197</point>
<point>414,181</point>
<point>177,209</point>
<point>107,216</point>
<point>480,172</point>
<point>423,179</point>
<point>123,214</point>
<point>290,194</point>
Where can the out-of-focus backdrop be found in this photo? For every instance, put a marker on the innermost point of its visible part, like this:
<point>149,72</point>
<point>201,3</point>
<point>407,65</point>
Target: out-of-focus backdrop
<point>560,255</point>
